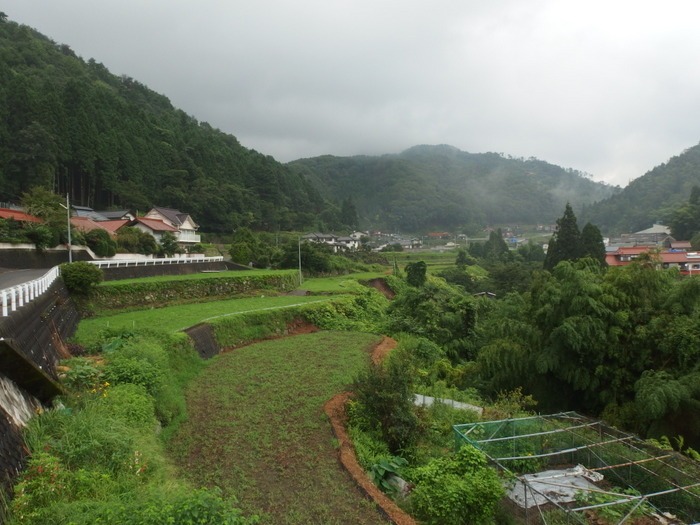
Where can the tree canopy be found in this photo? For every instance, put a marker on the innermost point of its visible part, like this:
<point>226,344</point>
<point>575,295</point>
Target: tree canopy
<point>72,127</point>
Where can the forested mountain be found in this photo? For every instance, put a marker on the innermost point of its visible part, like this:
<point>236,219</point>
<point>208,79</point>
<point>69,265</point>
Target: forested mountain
<point>650,198</point>
<point>74,127</point>
<point>428,187</point>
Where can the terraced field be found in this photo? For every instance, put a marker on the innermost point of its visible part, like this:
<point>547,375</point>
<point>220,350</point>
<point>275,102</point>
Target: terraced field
<point>257,430</point>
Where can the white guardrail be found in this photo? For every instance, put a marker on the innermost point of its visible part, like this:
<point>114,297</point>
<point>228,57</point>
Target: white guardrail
<point>16,296</point>
<point>121,263</point>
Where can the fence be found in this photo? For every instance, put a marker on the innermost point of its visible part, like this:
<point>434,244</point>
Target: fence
<point>17,296</point>
<point>123,263</point>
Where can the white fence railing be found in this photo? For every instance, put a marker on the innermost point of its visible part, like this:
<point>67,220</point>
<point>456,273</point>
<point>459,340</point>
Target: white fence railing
<point>121,263</point>
<point>21,294</point>
<point>17,296</point>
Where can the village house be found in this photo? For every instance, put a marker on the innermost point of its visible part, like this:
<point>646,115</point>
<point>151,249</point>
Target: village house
<point>686,262</point>
<point>336,242</point>
<point>154,227</point>
<point>184,227</point>
<point>18,215</point>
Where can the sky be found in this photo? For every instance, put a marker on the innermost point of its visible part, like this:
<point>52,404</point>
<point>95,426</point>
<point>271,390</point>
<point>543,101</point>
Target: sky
<point>607,87</point>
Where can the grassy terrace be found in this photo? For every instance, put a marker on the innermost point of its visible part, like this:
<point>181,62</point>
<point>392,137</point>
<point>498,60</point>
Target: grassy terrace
<point>174,318</point>
<point>338,284</point>
<point>197,276</point>
<point>257,429</point>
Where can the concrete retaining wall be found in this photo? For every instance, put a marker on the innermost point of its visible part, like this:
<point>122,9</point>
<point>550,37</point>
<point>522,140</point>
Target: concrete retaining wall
<point>31,344</point>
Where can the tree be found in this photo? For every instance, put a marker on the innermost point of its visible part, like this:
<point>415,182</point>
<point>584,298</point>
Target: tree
<point>592,244</point>
<point>565,244</point>
<point>685,222</point>
<point>439,312</point>
<point>133,240</point>
<point>416,273</point>
<point>168,244</point>
<point>385,393</point>
<point>496,248</point>
<point>348,214</point>
<point>101,242</point>
<point>3,17</point>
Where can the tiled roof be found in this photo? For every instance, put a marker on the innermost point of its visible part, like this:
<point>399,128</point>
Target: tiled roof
<point>17,215</point>
<point>156,225</point>
<point>174,216</point>
<point>114,215</point>
<point>85,224</point>
<point>113,226</point>
<point>656,228</point>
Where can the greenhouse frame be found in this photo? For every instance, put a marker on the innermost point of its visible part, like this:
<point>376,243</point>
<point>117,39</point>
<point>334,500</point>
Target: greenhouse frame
<point>568,468</point>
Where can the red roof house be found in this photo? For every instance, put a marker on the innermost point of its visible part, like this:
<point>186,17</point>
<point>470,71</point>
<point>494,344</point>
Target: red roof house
<point>6,213</point>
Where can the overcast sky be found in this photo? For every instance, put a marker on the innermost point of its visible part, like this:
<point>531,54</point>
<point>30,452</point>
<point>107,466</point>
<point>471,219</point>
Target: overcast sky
<point>609,87</point>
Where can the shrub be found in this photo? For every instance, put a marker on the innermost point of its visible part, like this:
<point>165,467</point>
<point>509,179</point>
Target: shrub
<point>456,490</point>
<point>101,243</point>
<point>80,277</point>
<point>122,369</point>
<point>131,404</point>
<point>386,395</point>
<point>416,273</point>
<point>82,374</point>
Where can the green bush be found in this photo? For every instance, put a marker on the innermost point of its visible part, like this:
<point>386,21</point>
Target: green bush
<point>456,490</point>
<point>101,242</point>
<point>82,374</point>
<point>131,404</point>
<point>385,393</point>
<point>123,369</point>
<point>369,448</point>
<point>80,277</point>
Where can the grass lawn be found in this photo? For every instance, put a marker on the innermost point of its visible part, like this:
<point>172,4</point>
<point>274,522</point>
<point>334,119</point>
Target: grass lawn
<point>339,283</point>
<point>174,318</point>
<point>257,429</point>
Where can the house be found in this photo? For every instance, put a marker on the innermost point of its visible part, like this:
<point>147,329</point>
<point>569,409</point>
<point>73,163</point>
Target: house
<point>657,234</point>
<point>87,212</point>
<point>185,229</point>
<point>86,224</point>
<point>323,238</point>
<point>17,215</point>
<point>681,246</point>
<point>338,243</point>
<point>686,262</point>
<point>114,215</point>
<point>113,225</point>
<point>155,227</point>
<point>358,235</point>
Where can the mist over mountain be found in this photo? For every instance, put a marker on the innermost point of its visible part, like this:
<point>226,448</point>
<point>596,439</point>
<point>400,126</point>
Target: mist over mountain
<point>651,198</point>
<point>428,187</point>
<point>111,142</point>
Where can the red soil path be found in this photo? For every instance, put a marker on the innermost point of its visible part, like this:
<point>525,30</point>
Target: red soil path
<point>335,410</point>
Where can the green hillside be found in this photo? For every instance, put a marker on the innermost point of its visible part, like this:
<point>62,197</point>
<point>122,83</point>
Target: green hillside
<point>650,198</point>
<point>72,126</point>
<point>428,187</point>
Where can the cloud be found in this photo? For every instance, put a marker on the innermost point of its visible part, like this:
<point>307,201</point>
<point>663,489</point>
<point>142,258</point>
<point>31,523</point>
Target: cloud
<point>609,88</point>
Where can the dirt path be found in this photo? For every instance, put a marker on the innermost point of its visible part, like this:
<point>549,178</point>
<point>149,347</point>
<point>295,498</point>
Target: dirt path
<point>335,410</point>
<point>382,350</point>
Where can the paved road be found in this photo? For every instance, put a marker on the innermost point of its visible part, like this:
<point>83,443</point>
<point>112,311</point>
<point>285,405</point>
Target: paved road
<point>10,278</point>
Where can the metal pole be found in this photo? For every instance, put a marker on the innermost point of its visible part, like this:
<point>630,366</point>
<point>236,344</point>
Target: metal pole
<point>70,251</point>
<point>301,276</point>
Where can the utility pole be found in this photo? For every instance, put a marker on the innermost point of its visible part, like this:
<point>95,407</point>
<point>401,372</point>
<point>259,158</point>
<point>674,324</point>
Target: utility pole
<point>67,207</point>
<point>301,276</point>
<point>70,248</point>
